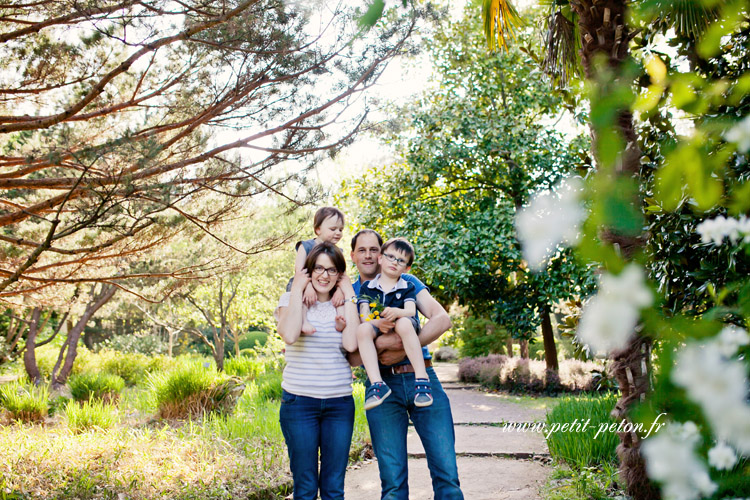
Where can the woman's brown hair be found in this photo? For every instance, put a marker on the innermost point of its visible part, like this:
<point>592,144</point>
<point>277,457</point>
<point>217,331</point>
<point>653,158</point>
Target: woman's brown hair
<point>332,251</point>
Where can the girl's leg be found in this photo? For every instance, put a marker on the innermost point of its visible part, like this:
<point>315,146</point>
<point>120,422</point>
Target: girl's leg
<point>307,328</point>
<point>336,429</point>
<point>300,424</point>
<point>413,348</point>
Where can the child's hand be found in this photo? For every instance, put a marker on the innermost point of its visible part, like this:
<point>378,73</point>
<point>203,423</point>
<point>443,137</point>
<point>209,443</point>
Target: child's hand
<point>309,297</point>
<point>383,325</point>
<point>390,314</point>
<point>338,298</point>
<point>301,280</point>
<point>340,323</point>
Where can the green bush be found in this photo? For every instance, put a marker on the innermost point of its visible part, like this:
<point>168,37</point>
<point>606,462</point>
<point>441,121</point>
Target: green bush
<point>93,414</point>
<point>580,448</point>
<point>103,386</point>
<point>481,337</point>
<point>193,390</point>
<point>244,367</point>
<point>253,339</point>
<point>24,403</point>
<point>46,357</point>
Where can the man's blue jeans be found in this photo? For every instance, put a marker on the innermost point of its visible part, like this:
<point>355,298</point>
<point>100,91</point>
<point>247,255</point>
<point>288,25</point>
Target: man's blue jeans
<point>311,425</point>
<point>434,425</point>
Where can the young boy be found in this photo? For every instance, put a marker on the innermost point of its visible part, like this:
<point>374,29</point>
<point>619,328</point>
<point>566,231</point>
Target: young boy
<point>399,300</point>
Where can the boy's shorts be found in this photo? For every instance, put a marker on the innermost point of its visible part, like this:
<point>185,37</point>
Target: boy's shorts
<point>414,323</point>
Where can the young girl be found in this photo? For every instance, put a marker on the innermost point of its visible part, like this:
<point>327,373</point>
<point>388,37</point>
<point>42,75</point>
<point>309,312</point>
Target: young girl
<point>328,225</point>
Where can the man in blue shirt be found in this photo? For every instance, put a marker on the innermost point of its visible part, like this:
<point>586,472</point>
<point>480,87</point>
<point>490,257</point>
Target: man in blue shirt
<point>389,421</point>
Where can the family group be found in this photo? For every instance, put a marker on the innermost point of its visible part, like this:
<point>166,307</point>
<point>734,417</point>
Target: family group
<point>331,323</point>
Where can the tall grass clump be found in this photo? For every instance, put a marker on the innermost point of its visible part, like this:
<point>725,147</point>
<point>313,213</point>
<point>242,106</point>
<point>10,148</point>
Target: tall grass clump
<point>577,447</point>
<point>245,367</point>
<point>102,385</point>
<point>192,390</point>
<point>24,404</point>
<point>94,414</point>
<point>269,386</point>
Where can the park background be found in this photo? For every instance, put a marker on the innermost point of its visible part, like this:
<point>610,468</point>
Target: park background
<point>573,176</point>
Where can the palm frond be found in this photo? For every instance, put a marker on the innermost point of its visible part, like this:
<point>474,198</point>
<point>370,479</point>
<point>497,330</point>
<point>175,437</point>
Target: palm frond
<point>500,19</point>
<point>690,18</point>
<point>562,46</point>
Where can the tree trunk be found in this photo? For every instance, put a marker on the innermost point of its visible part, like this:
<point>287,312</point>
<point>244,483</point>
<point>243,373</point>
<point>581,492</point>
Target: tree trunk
<point>74,334</point>
<point>605,34</point>
<point>550,349</point>
<point>524,344</point>
<point>509,346</point>
<point>29,355</point>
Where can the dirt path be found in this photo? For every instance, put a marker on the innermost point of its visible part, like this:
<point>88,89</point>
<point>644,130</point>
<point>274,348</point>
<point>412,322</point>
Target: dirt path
<point>492,464</point>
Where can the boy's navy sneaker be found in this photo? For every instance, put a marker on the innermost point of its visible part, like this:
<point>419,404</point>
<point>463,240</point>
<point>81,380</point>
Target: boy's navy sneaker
<point>423,392</point>
<point>375,394</point>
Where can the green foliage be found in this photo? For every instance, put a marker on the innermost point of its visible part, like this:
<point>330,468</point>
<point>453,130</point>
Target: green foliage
<point>139,344</point>
<point>253,339</point>
<point>104,386</point>
<point>94,414</point>
<point>245,367</point>
<point>24,403</point>
<point>269,386</point>
<point>132,367</point>
<point>480,337</point>
<point>582,449</point>
<point>598,482</point>
<point>473,153</point>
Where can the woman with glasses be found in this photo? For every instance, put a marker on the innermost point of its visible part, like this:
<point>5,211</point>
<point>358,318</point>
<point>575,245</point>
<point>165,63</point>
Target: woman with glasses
<point>317,408</point>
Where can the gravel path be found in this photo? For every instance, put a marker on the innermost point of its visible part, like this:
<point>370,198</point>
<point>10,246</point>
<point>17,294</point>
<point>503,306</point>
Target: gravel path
<point>493,464</point>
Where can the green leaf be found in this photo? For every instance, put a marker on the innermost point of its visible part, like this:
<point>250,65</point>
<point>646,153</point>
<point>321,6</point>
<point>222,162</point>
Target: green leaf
<point>374,12</point>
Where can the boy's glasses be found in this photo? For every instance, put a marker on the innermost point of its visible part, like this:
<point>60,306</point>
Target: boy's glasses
<point>396,260</point>
<point>330,271</point>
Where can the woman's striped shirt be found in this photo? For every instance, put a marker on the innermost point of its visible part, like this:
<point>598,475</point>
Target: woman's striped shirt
<point>316,364</point>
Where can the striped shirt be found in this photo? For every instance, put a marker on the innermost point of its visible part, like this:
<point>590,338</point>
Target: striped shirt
<point>316,365</point>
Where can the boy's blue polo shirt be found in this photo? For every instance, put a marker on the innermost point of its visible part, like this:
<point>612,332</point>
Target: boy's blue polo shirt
<point>398,297</point>
<point>418,287</point>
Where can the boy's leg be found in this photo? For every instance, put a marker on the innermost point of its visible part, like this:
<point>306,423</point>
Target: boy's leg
<point>368,353</point>
<point>412,347</point>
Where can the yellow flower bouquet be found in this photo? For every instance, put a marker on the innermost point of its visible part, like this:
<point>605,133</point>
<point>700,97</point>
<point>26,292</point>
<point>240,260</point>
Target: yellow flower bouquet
<point>376,307</point>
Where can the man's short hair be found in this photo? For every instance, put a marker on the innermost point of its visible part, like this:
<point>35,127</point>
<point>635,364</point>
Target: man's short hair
<point>402,245</point>
<point>324,212</point>
<point>366,231</point>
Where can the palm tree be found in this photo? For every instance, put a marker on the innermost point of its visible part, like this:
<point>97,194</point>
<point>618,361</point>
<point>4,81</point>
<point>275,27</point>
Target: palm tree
<point>580,35</point>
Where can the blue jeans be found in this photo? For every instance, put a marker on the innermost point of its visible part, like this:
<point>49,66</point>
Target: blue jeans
<point>434,425</point>
<point>311,425</point>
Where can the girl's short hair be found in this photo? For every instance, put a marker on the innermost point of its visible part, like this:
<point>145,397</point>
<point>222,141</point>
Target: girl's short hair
<point>332,251</point>
<point>324,212</point>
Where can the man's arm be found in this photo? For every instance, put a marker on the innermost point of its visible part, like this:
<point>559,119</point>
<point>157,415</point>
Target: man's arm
<point>390,349</point>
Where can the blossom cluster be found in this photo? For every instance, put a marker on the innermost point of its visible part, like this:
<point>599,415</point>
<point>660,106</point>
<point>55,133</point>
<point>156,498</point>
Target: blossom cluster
<point>551,218</point>
<point>671,460</point>
<point>717,382</point>
<point>720,228</point>
<point>609,318</point>
<point>740,135</point>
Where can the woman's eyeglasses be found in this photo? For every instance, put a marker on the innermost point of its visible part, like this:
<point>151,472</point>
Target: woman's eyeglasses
<point>330,271</point>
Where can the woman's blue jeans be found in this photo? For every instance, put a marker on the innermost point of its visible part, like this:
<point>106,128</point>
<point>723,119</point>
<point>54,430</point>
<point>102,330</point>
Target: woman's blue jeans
<point>434,425</point>
<point>312,425</point>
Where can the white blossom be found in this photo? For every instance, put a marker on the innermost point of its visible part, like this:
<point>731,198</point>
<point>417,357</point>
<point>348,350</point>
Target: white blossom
<point>671,460</point>
<point>716,230</point>
<point>609,318</point>
<point>720,386</point>
<point>740,134</point>
<point>722,457</point>
<point>730,338</point>
<point>552,217</point>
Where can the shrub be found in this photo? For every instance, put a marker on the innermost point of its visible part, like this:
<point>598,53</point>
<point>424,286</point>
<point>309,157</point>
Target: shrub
<point>481,337</point>
<point>244,367</point>
<point>445,353</point>
<point>524,375</point>
<point>253,339</point>
<point>192,391</point>
<point>137,344</point>
<point>103,386</point>
<point>93,414</point>
<point>131,367</point>
<point>581,449</point>
<point>24,404</point>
